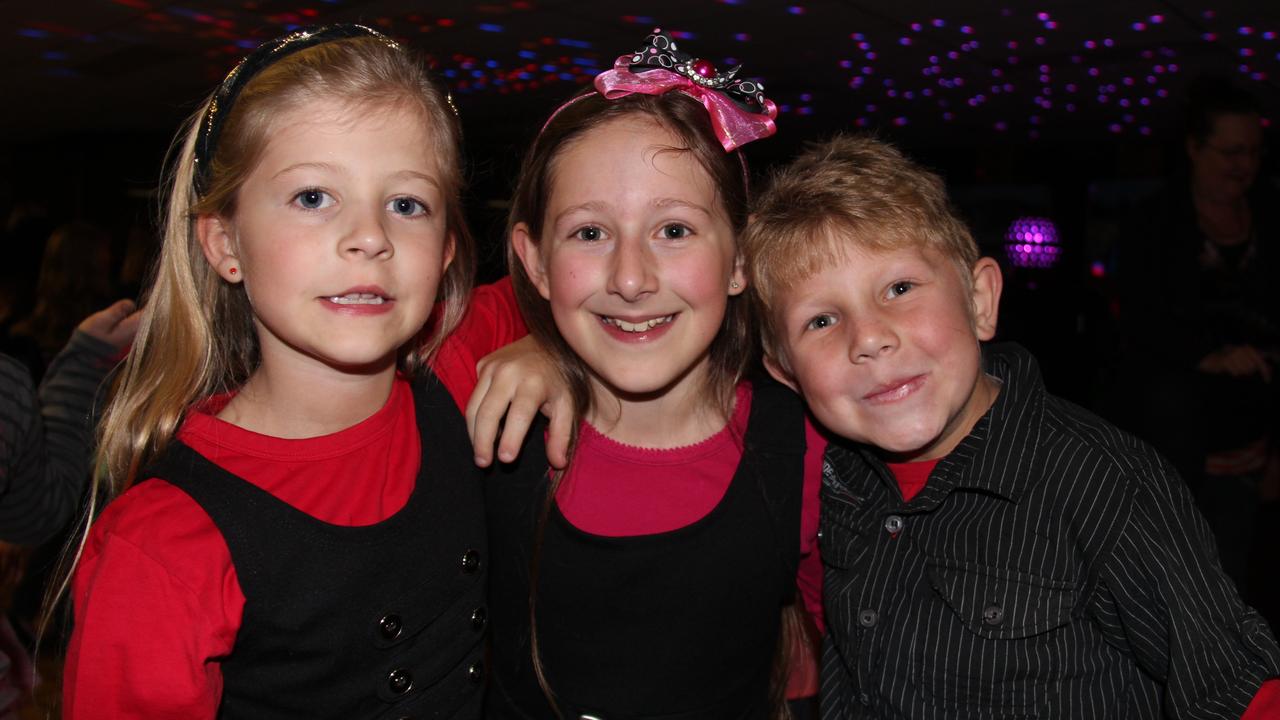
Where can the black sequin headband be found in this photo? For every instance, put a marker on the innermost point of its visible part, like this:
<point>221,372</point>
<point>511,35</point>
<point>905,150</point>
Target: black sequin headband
<point>255,62</point>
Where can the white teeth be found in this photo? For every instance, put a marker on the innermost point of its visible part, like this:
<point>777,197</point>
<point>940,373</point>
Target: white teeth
<point>625,326</point>
<point>357,299</point>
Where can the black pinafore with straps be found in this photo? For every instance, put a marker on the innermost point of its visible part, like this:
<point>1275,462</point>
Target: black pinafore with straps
<point>377,621</point>
<point>675,625</point>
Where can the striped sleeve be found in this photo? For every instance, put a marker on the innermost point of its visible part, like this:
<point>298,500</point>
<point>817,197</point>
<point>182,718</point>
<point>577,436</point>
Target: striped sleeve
<point>47,439</point>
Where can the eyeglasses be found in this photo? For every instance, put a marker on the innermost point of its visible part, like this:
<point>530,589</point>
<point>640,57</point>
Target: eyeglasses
<point>1239,152</point>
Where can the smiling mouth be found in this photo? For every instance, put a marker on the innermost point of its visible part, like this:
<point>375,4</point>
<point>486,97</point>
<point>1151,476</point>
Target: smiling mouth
<point>637,327</point>
<point>895,391</point>
<point>357,299</point>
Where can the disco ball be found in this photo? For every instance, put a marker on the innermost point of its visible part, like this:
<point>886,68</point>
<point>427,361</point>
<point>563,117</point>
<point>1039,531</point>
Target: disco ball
<point>1032,242</point>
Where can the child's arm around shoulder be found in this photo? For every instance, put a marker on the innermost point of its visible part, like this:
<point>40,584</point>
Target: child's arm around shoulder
<point>156,606</point>
<point>1163,598</point>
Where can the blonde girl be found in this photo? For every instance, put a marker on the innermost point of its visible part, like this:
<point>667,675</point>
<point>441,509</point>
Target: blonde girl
<point>300,532</point>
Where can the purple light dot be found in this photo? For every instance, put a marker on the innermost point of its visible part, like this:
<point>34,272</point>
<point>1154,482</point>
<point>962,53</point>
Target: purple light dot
<point>997,72</point>
<point>1128,81</point>
<point>1147,54</point>
<point>1145,102</point>
<point>1076,59</point>
<point>1268,35</point>
<point>1013,59</point>
<point>938,22</point>
<point>904,40</point>
<point>892,93</point>
<point>1035,119</point>
<point>973,102</point>
<point>806,97</point>
<point>864,46</point>
<point>1159,69</point>
<point>872,108</point>
<point>1002,126</point>
<point>846,63</point>
<point>1102,99</point>
<point>860,122</point>
<point>1139,26</point>
<point>1152,80</point>
<point>867,70</point>
<point>1051,25</point>
<point>1045,69</point>
<point>1071,107</point>
<point>916,27</point>
<point>948,116</point>
<point>1115,127</point>
<point>1244,69</point>
<point>1208,14</point>
<point>1090,44</point>
<point>966,30</point>
<point>1128,117</point>
<point>871,55</point>
<point>1108,42</point>
<point>1042,16</point>
<point>1071,87</point>
<point>995,89</point>
<point>1259,76</point>
<point>927,92</point>
<point>1209,36</point>
<point>1045,78</point>
<point>1156,19</point>
<point>1245,30</point>
<point>1162,93</point>
<point>953,55</point>
<point>857,36</point>
<point>933,59</point>
<point>1012,44</point>
<point>900,121</point>
<point>1246,52</point>
<point>742,37</point>
<point>958,81</point>
<point>795,10</point>
<point>1040,40</point>
<point>1093,72</point>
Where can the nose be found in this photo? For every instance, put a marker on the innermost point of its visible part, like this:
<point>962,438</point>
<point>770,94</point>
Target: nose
<point>632,274</point>
<point>367,236</point>
<point>873,338</point>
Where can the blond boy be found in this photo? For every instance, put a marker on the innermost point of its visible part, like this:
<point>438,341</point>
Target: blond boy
<point>990,550</point>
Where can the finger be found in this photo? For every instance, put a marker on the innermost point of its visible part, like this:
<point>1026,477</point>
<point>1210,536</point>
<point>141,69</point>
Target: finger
<point>120,310</point>
<point>479,423</point>
<point>478,394</point>
<point>520,417</point>
<point>559,432</point>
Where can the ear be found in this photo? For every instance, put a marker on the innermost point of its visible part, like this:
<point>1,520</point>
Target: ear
<point>530,254</point>
<point>450,250</point>
<point>217,239</point>
<point>780,373</point>
<point>738,278</point>
<point>987,284</point>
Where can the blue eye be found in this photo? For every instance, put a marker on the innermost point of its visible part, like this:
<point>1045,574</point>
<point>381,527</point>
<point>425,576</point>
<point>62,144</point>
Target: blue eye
<point>313,199</point>
<point>819,322</point>
<point>407,206</point>
<point>675,231</point>
<point>588,233</point>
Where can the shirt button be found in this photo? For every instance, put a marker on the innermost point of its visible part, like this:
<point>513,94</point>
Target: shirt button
<point>867,618</point>
<point>893,524</point>
<point>478,618</point>
<point>390,626</point>
<point>475,673</point>
<point>993,615</point>
<point>399,681</point>
<point>470,561</point>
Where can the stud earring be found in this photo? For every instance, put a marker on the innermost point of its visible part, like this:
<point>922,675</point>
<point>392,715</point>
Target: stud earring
<point>734,284</point>
<point>232,271</point>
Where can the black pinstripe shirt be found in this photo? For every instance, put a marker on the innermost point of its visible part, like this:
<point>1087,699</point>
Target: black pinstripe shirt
<point>1052,567</point>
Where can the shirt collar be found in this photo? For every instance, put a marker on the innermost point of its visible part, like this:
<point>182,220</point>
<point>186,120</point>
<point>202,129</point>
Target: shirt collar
<point>999,452</point>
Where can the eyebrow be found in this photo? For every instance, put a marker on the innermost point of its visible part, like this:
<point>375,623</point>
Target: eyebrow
<point>599,205</point>
<point>329,167</point>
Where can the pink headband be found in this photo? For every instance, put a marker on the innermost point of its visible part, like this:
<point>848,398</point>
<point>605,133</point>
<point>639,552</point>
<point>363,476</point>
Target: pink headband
<point>738,109</point>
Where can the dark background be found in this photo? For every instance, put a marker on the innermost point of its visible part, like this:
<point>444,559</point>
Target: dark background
<point>1065,110</point>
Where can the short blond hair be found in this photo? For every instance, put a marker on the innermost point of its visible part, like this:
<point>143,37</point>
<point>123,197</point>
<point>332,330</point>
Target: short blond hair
<point>849,191</point>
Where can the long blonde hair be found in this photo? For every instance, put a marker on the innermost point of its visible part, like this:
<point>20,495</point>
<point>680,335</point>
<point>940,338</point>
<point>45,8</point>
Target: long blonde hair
<point>196,336</point>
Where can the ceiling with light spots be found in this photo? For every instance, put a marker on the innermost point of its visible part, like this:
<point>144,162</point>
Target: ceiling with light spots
<point>945,73</point>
